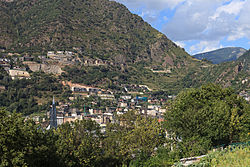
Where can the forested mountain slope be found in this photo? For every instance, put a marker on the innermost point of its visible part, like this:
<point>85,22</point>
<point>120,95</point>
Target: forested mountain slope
<point>235,74</point>
<point>96,29</point>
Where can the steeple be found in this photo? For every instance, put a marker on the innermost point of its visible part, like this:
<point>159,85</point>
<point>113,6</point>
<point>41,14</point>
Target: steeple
<point>53,119</point>
<point>53,103</point>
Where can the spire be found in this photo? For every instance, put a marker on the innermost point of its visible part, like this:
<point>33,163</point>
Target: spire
<point>53,103</point>
<point>53,118</point>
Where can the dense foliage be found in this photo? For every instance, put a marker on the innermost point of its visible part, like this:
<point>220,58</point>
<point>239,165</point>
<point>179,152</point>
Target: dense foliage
<point>208,116</point>
<point>134,136</point>
<point>22,143</point>
<point>21,94</point>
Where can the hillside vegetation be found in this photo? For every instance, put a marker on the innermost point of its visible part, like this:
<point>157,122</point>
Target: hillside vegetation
<point>96,29</point>
<point>235,74</point>
<point>99,28</point>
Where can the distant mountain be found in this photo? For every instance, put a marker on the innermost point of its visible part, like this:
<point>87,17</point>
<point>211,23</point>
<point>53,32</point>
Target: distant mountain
<point>235,74</point>
<point>222,55</point>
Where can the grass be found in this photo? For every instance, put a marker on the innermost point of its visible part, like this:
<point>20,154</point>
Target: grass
<point>231,157</point>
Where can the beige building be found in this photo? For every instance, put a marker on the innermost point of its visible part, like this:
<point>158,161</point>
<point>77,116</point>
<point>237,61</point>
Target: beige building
<point>20,74</point>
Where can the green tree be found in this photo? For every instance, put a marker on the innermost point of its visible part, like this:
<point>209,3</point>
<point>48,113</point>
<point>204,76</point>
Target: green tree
<point>22,143</point>
<point>132,136</point>
<point>79,143</point>
<point>207,116</point>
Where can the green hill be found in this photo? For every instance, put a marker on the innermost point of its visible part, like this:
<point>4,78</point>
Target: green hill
<point>222,55</point>
<point>97,29</point>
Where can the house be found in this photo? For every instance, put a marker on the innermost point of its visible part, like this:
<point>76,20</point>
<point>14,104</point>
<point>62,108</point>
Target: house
<point>107,117</point>
<point>152,112</point>
<point>128,97</point>
<point>50,53</point>
<point>19,73</point>
<point>69,119</point>
<point>28,58</point>
<point>121,104</point>
<point>106,96</point>
<point>2,88</point>
<point>82,88</point>
<point>60,120</point>
<point>5,64</point>
<point>97,119</point>
<point>59,52</point>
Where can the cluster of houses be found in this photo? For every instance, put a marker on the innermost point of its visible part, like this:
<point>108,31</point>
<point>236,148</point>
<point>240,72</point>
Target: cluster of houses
<point>123,104</point>
<point>119,105</point>
<point>53,60</point>
<point>11,62</point>
<point>61,57</point>
<point>14,71</point>
<point>133,88</point>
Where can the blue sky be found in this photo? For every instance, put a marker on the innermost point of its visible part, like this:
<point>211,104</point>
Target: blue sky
<point>197,25</point>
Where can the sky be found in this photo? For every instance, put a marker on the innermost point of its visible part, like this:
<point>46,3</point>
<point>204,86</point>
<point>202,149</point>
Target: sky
<point>197,25</point>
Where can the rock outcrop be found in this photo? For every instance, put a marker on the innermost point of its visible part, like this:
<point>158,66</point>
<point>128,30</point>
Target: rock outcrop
<point>47,68</point>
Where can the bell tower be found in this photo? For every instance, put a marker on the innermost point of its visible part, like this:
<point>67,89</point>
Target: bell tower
<point>53,119</point>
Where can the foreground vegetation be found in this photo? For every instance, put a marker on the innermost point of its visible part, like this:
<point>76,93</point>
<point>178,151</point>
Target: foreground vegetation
<point>196,121</point>
<point>230,157</point>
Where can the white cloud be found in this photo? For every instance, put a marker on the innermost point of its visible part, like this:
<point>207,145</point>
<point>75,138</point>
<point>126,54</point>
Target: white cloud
<point>149,16</point>
<point>242,26</point>
<point>206,21</point>
<point>205,46</point>
<point>192,21</point>
<point>179,43</point>
<point>232,8</point>
<point>150,9</point>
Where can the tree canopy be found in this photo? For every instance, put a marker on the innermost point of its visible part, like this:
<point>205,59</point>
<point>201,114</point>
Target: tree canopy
<point>207,116</point>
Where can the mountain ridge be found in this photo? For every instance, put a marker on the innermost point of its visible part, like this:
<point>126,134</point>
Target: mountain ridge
<point>222,55</point>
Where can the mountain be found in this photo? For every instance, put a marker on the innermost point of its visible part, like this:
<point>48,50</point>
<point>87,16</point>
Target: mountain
<point>96,29</point>
<point>235,74</point>
<point>100,28</point>
<point>222,55</point>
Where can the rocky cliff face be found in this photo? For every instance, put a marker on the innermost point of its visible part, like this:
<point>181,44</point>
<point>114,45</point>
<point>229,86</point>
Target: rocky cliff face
<point>35,67</point>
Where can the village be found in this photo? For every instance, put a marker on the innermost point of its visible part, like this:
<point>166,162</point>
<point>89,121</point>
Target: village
<point>103,106</point>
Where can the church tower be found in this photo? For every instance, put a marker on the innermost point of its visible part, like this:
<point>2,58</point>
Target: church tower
<point>53,119</point>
